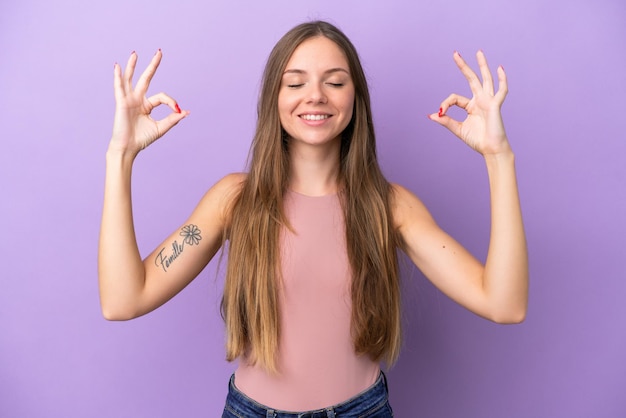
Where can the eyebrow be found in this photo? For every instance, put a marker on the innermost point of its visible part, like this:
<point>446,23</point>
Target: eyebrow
<point>329,71</point>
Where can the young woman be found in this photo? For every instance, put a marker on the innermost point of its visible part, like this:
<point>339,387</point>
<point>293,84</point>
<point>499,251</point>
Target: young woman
<point>311,298</point>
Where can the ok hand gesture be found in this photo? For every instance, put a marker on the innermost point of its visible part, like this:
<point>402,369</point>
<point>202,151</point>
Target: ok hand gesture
<point>483,129</point>
<point>133,128</point>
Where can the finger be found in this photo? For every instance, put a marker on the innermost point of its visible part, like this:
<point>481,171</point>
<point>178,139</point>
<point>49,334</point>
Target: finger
<point>503,87</point>
<point>129,71</point>
<point>162,98</point>
<point>484,72</point>
<point>451,124</point>
<point>118,87</point>
<point>469,74</point>
<point>144,81</point>
<point>453,100</point>
<point>170,121</point>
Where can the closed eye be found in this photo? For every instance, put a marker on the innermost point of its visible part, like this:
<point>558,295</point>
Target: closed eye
<point>295,86</point>
<point>336,84</point>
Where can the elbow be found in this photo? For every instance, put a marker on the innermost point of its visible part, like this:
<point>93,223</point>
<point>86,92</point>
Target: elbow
<point>110,312</point>
<point>115,316</point>
<point>510,320</point>
<point>112,315</point>
<point>510,309</point>
<point>119,306</point>
<point>510,317</point>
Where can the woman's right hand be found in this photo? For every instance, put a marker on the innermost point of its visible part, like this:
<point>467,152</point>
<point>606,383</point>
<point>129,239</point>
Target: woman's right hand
<point>133,128</point>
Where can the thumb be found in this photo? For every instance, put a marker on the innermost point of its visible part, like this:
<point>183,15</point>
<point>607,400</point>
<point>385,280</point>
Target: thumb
<point>451,124</point>
<point>170,121</point>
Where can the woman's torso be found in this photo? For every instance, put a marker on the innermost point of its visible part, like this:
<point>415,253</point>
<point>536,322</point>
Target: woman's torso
<point>318,366</point>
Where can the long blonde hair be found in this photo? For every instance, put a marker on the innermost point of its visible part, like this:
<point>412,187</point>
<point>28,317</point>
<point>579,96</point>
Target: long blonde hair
<point>250,304</point>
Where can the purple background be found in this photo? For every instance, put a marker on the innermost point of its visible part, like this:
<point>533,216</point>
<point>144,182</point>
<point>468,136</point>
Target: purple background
<point>564,115</point>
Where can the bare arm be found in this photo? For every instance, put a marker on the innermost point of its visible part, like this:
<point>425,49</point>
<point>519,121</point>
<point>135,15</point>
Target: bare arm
<point>130,286</point>
<point>497,290</point>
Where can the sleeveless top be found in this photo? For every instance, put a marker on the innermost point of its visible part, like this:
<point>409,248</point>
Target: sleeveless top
<point>317,364</point>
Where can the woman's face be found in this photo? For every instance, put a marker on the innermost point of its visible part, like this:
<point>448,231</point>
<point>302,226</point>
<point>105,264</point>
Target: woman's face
<point>316,97</point>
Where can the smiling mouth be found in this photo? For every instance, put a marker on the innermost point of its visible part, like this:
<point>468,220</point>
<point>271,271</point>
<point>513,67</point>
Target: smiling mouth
<point>314,117</point>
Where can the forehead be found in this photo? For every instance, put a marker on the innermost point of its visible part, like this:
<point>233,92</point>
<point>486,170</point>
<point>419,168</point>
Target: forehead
<point>319,53</point>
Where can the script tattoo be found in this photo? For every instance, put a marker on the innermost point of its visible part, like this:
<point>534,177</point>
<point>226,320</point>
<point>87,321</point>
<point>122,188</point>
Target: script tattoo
<point>191,236</point>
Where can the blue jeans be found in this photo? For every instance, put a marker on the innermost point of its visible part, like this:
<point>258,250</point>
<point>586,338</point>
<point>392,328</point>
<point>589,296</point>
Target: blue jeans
<point>372,403</point>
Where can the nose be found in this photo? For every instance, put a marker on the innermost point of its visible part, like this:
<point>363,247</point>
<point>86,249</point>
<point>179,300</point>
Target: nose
<point>316,94</point>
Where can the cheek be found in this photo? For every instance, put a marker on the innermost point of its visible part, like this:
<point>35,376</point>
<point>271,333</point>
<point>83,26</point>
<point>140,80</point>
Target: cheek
<point>348,111</point>
<point>285,112</point>
<point>347,101</point>
<point>284,106</point>
<point>348,106</point>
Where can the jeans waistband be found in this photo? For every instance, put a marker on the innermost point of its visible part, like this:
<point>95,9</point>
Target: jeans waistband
<point>374,397</point>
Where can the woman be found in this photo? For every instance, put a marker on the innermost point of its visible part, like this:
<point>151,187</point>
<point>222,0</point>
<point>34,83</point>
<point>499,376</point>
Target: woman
<point>311,298</point>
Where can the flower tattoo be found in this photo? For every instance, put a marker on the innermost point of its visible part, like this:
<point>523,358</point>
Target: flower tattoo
<point>191,234</point>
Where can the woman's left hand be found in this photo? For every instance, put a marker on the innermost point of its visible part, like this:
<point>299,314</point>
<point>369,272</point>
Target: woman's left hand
<point>483,129</point>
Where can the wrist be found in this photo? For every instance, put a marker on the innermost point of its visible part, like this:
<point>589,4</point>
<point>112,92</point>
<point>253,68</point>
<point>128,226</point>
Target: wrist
<point>116,154</point>
<point>503,153</point>
<point>500,162</point>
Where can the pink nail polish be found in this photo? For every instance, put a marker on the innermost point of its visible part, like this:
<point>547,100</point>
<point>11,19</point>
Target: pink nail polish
<point>177,108</point>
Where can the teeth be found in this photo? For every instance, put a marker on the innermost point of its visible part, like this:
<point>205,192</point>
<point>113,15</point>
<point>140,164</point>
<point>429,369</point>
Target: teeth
<point>314,117</point>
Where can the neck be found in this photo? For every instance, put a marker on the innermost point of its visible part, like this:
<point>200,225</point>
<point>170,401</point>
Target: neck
<point>314,170</point>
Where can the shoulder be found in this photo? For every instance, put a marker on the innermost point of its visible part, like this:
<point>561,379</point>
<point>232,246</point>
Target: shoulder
<point>227,187</point>
<point>406,208</point>
<point>230,182</point>
<point>219,198</point>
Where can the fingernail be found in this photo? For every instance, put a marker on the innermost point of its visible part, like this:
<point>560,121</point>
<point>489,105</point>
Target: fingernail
<point>501,66</point>
<point>132,53</point>
<point>457,52</point>
<point>440,112</point>
<point>177,108</point>
<point>114,65</point>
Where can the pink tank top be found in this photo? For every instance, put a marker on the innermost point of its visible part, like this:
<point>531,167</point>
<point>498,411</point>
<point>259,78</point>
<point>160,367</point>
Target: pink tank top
<point>317,363</point>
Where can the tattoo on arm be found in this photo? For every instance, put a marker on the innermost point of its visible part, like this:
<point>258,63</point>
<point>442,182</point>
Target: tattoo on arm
<point>191,236</point>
